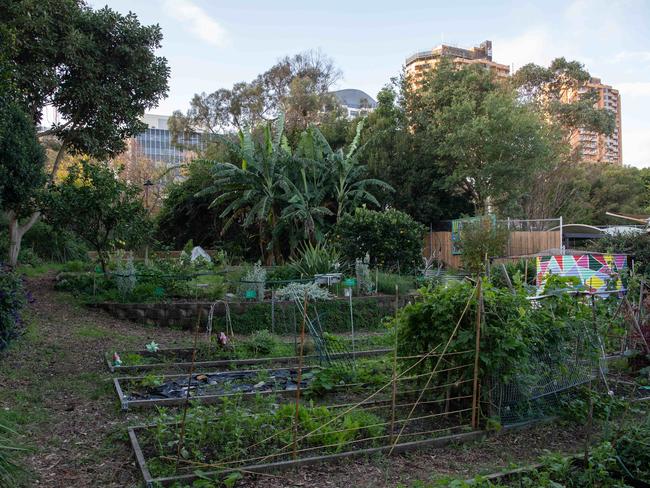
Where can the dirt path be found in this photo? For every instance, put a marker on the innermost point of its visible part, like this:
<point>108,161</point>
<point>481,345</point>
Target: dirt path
<point>56,388</point>
<point>62,393</point>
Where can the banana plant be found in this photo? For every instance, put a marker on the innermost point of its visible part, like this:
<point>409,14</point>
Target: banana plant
<point>257,190</point>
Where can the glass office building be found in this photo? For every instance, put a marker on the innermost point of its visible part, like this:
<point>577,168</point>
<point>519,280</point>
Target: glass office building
<point>155,143</point>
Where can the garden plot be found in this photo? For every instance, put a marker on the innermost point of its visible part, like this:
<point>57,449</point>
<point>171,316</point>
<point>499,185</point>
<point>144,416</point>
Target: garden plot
<point>181,359</point>
<point>266,434</point>
<point>154,390</point>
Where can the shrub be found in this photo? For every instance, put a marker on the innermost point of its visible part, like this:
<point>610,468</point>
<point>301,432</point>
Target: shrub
<point>316,259</point>
<point>281,273</point>
<point>386,283</point>
<point>54,244</point>
<point>75,283</point>
<point>481,240</point>
<point>261,342</point>
<point>12,301</point>
<point>391,238</point>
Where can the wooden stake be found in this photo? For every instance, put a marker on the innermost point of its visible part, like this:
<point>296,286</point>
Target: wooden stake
<point>475,399</point>
<point>526,272</point>
<point>187,395</point>
<point>394,392</point>
<point>299,379</point>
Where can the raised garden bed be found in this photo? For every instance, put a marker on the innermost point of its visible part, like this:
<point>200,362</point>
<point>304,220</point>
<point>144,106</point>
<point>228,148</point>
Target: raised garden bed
<point>149,391</point>
<point>181,359</point>
<point>141,438</point>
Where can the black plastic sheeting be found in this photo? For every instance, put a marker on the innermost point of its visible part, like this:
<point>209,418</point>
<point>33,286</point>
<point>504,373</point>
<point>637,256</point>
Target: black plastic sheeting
<point>222,383</point>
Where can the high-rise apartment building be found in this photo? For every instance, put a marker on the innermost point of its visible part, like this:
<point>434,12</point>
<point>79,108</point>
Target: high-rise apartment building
<point>418,63</point>
<point>593,147</point>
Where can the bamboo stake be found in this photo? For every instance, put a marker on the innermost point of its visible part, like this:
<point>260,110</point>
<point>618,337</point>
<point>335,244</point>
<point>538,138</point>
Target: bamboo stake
<point>636,323</point>
<point>434,370</point>
<point>394,392</point>
<point>479,303</point>
<point>299,379</point>
<point>187,395</point>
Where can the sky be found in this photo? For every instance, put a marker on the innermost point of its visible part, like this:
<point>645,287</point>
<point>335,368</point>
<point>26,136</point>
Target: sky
<point>212,44</point>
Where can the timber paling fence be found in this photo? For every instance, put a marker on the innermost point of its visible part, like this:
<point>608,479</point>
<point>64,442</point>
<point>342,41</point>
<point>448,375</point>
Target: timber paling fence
<point>525,237</point>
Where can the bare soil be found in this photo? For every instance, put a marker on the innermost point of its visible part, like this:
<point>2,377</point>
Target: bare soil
<point>56,387</point>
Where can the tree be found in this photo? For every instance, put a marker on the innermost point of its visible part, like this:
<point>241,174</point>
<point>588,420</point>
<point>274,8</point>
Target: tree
<point>486,141</point>
<point>296,86</point>
<point>102,210</point>
<point>22,160</point>
<point>391,238</point>
<point>561,92</point>
<point>97,68</point>
<point>256,190</point>
<point>350,186</point>
<point>289,195</point>
<point>187,213</point>
<point>133,167</point>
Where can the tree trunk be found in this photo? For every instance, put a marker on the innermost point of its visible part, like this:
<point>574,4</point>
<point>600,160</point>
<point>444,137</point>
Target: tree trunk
<point>16,233</point>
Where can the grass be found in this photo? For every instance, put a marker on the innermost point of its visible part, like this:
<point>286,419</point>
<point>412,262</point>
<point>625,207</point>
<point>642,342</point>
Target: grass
<point>386,283</point>
<point>39,270</point>
<point>92,332</point>
<point>11,450</point>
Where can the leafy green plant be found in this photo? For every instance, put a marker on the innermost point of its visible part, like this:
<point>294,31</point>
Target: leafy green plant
<point>12,300</point>
<point>261,342</point>
<point>391,238</point>
<point>150,380</point>
<point>481,241</point>
<point>255,279</point>
<point>387,282</point>
<point>234,429</point>
<point>316,259</point>
<point>520,343</point>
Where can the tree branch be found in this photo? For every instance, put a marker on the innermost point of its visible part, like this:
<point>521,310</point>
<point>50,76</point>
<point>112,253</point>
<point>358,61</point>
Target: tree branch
<point>58,159</point>
<point>53,130</point>
<point>28,225</point>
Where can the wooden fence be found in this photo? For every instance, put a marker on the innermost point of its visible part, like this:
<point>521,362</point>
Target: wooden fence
<point>438,245</point>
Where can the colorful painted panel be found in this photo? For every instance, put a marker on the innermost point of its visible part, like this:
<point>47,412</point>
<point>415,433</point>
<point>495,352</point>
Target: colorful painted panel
<point>597,272</point>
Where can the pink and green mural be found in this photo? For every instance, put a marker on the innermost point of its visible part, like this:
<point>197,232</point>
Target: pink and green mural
<point>597,272</point>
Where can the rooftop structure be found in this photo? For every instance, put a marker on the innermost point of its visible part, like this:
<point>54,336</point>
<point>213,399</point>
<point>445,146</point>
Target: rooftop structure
<point>420,62</point>
<point>357,102</point>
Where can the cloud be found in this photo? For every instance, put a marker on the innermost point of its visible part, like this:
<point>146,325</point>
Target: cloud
<point>633,88</point>
<point>643,56</point>
<point>197,21</point>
